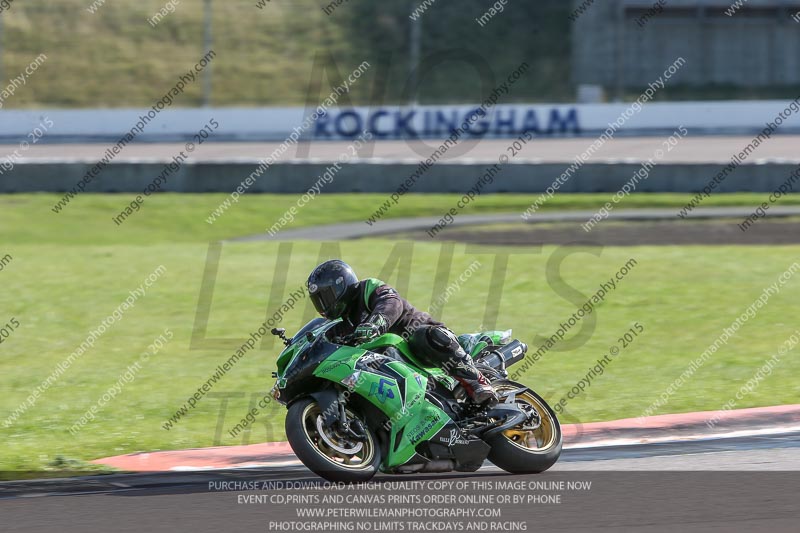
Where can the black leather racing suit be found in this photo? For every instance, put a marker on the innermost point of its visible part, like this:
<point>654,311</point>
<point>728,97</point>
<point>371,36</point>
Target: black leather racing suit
<point>379,304</point>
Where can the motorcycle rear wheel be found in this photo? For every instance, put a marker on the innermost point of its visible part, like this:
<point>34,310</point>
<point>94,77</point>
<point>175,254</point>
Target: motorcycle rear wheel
<point>523,449</point>
<point>327,453</point>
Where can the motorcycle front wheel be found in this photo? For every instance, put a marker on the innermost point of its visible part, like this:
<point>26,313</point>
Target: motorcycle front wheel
<point>325,450</point>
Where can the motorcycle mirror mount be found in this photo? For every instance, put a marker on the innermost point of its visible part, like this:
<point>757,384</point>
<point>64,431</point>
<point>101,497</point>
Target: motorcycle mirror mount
<point>309,336</point>
<point>279,332</point>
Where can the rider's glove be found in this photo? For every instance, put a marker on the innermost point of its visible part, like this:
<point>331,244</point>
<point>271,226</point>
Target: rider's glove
<point>365,332</point>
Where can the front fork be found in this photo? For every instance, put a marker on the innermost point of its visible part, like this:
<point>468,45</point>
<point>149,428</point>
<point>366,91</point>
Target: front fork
<point>334,414</point>
<point>352,427</point>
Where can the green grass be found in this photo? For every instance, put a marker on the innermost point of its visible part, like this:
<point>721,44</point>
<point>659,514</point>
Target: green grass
<point>168,218</point>
<point>273,56</point>
<point>114,58</point>
<point>71,271</point>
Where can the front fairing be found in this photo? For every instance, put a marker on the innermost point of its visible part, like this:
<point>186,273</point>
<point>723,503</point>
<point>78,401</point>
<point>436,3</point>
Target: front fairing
<point>298,364</point>
<point>299,344</point>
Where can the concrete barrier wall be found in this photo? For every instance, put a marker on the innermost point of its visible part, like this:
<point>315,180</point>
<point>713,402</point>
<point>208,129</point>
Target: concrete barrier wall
<point>385,178</point>
<point>399,122</point>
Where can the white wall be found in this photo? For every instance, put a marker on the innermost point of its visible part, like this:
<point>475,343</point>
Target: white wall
<point>103,125</point>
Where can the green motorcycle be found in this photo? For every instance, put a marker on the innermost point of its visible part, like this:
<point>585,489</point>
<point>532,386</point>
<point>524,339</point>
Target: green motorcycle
<point>355,410</point>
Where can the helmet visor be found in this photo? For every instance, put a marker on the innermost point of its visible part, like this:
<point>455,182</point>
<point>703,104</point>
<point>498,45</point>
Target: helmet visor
<point>324,300</point>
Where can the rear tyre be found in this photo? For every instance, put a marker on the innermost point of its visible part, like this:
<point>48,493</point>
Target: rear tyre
<point>326,452</point>
<point>527,448</point>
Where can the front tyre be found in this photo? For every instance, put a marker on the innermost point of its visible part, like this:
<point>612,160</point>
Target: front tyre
<point>327,452</point>
<point>528,448</point>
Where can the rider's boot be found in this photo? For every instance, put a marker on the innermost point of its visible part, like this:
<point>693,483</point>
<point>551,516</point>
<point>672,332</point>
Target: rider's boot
<point>441,347</point>
<point>478,388</point>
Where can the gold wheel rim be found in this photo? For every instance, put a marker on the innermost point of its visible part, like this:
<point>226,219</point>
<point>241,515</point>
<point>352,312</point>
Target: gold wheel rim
<point>359,460</point>
<point>536,440</point>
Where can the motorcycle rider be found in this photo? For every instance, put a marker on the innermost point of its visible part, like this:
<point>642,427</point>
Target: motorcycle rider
<point>370,308</point>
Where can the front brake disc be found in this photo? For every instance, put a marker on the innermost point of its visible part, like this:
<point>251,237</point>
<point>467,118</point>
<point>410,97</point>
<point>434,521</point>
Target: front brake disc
<point>354,449</point>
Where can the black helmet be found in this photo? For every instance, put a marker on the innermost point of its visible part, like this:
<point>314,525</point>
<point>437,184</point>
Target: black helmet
<point>331,287</point>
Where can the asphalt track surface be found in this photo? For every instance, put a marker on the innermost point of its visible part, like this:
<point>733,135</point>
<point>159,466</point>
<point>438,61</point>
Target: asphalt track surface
<point>706,149</point>
<point>746,483</point>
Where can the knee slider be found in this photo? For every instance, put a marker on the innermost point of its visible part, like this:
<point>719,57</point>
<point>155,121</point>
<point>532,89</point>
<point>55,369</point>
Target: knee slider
<point>441,338</point>
<point>433,343</point>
